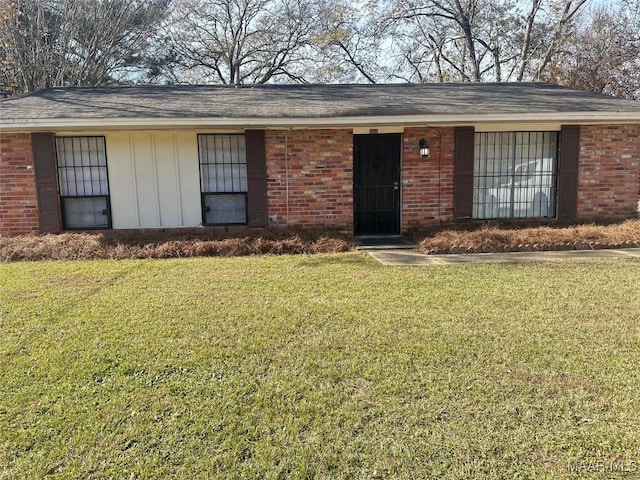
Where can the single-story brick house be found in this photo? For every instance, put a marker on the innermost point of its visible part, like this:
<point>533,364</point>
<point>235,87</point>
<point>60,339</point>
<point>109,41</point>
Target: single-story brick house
<point>368,159</point>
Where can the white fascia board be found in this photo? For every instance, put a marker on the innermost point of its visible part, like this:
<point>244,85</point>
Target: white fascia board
<point>583,118</point>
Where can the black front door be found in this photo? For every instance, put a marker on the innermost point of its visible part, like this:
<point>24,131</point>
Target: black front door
<point>376,184</point>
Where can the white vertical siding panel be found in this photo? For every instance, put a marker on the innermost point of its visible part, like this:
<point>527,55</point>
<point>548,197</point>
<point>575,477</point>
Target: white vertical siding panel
<point>189,178</point>
<point>122,180</point>
<point>154,179</point>
<point>168,187</point>
<point>176,161</point>
<point>146,179</point>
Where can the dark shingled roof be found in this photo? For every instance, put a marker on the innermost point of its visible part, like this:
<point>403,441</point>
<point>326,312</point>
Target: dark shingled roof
<point>306,101</point>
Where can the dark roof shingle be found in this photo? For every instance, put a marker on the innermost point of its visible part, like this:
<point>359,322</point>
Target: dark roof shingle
<point>306,101</point>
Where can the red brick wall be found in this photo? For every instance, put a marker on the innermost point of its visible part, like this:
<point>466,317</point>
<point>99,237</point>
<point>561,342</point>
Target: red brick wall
<point>609,171</point>
<point>18,198</point>
<point>427,183</point>
<point>319,177</point>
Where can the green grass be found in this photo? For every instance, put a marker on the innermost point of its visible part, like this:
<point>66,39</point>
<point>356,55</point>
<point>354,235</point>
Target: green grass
<point>326,366</point>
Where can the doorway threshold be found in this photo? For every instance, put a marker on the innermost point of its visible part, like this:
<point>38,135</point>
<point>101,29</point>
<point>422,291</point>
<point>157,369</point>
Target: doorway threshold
<point>383,242</point>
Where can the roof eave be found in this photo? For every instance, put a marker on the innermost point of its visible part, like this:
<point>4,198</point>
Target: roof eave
<point>583,118</point>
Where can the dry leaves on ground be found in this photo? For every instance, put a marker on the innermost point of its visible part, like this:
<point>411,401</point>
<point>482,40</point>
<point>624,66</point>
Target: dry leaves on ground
<point>169,244</point>
<point>493,238</point>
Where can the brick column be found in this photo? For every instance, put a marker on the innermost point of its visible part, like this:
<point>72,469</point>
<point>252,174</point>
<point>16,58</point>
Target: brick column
<point>18,197</point>
<point>427,183</point>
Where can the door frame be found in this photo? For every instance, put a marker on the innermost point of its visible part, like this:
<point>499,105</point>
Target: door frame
<point>400,137</point>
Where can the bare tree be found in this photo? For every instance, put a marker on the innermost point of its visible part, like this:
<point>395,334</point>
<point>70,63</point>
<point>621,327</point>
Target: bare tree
<point>111,37</point>
<point>99,42</point>
<point>238,41</point>
<point>73,42</point>
<point>479,40</point>
<point>604,54</point>
<point>561,32</point>
<point>31,32</point>
<point>353,44</point>
<point>444,26</point>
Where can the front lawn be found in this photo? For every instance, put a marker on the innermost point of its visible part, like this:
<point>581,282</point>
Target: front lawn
<point>326,366</point>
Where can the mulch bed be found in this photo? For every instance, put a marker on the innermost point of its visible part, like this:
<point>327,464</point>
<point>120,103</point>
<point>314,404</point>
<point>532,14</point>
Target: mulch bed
<point>176,243</point>
<point>495,238</point>
<point>170,244</point>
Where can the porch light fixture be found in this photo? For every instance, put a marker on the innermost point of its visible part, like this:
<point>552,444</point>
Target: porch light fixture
<point>424,149</point>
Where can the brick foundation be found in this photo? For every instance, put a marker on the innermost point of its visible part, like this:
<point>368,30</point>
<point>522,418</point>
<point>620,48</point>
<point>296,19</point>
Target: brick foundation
<point>609,171</point>
<point>427,183</point>
<point>310,178</point>
<point>18,198</point>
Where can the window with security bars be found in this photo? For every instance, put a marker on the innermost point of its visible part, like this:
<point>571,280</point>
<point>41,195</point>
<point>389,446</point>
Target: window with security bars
<point>83,182</point>
<point>515,174</point>
<point>223,179</point>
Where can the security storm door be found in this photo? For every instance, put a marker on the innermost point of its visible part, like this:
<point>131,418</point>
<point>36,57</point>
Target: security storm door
<point>376,184</point>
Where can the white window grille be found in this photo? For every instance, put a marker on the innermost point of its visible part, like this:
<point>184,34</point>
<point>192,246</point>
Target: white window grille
<point>515,175</point>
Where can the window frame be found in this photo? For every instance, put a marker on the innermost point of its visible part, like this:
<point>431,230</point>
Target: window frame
<point>62,197</point>
<point>516,158</point>
<point>204,194</point>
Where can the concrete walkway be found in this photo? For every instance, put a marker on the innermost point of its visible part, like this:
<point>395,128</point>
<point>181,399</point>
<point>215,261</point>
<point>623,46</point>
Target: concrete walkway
<point>413,257</point>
